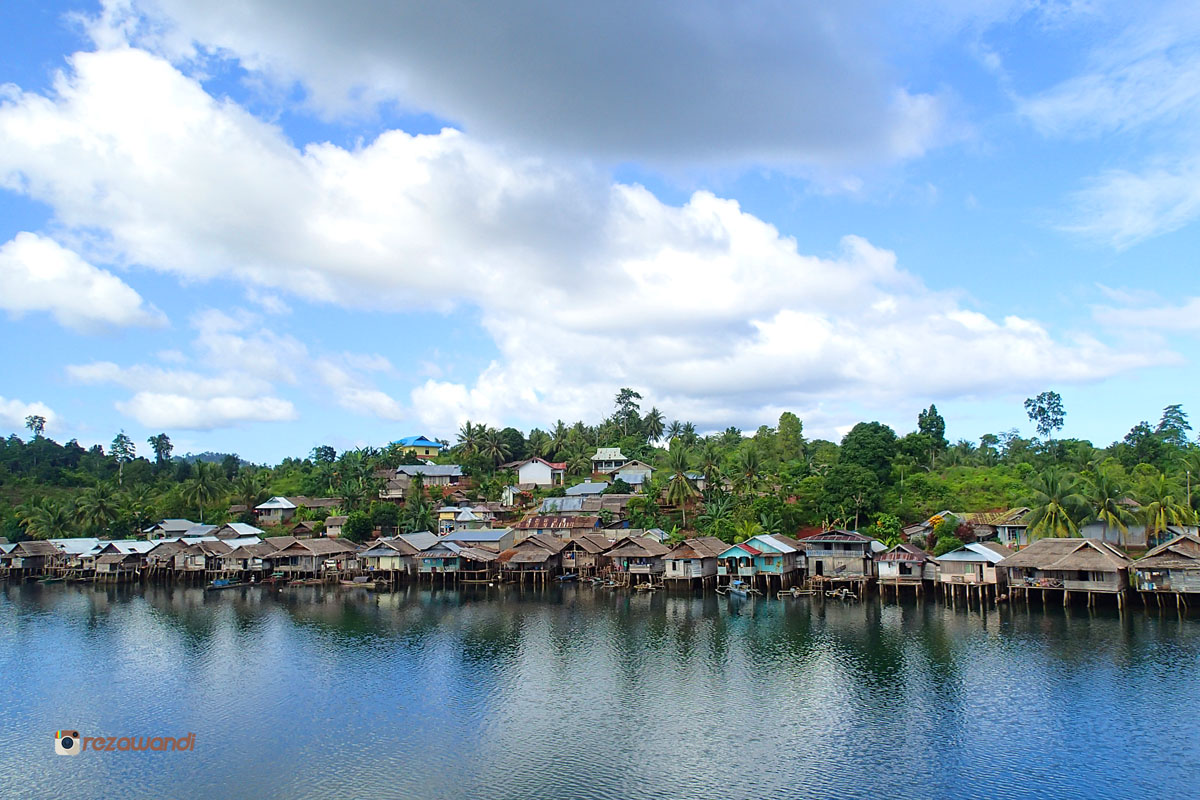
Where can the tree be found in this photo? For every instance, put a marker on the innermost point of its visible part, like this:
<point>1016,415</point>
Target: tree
<point>746,469</point>
<point>1106,496</point>
<point>494,448</point>
<point>887,529</point>
<point>323,454</point>
<point>790,437</point>
<point>680,489</point>
<point>250,488</point>
<point>205,486</point>
<point>161,444</point>
<point>1162,505</point>
<point>674,430</point>
<point>851,488</point>
<point>946,544</point>
<point>1046,413</point>
<point>357,527</point>
<point>36,424</point>
<point>1173,427</point>
<point>45,518</point>
<point>930,423</point>
<point>652,425</point>
<point>123,451</point>
<point>98,508</point>
<point>540,444</point>
<point>628,410</point>
<point>870,445</point>
<point>1056,507</point>
<point>468,438</point>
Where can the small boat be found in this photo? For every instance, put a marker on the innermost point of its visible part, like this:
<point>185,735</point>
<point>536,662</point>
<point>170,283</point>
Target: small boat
<point>570,576</point>
<point>357,584</point>
<point>50,579</point>
<point>306,582</point>
<point>223,583</point>
<point>738,589</point>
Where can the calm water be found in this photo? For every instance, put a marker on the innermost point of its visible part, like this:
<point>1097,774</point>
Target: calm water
<point>589,693</point>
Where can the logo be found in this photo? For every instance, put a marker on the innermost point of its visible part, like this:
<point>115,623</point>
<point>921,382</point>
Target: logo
<point>67,743</point>
<point>70,743</point>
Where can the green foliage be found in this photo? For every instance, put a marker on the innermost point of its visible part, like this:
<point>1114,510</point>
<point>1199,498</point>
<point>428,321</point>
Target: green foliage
<point>1046,412</point>
<point>946,544</point>
<point>871,445</point>
<point>357,527</point>
<point>887,529</point>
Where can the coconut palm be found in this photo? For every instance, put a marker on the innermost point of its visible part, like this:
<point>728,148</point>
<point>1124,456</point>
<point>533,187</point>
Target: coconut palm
<point>688,434</point>
<point>46,518</point>
<point>718,509</point>
<point>1106,496</point>
<point>468,438</point>
<point>205,486</point>
<point>579,463</point>
<point>680,489</point>
<point>746,469</point>
<point>493,447</point>
<point>1056,506</point>
<point>558,438</point>
<point>674,430</point>
<point>250,488</point>
<point>746,529</point>
<point>540,444</point>
<point>1162,505</point>
<point>652,425</point>
<point>98,508</point>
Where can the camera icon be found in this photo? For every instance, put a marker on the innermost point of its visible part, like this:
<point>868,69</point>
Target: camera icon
<point>67,743</point>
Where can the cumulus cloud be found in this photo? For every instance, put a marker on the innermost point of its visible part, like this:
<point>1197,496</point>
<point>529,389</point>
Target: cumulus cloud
<point>243,368</point>
<point>707,80</point>
<point>582,283</point>
<point>39,274</point>
<point>13,413</point>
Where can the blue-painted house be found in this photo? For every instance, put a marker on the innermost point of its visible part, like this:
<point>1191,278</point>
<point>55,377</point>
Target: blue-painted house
<point>764,559</point>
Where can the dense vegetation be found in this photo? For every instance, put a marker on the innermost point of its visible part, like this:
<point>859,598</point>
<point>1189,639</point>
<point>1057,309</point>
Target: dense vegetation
<point>773,480</point>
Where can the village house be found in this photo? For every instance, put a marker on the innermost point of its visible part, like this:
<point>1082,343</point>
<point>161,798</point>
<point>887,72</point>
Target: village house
<point>635,473</point>
<point>561,525</point>
<point>199,558</point>
<point>536,558</point>
<point>118,567</point>
<point>1172,568</point>
<point>333,525</point>
<point>275,511</point>
<point>453,561</point>
<point>906,565</point>
<point>538,472</point>
<point>169,527</point>
<point>639,559</point>
<point>974,565</point>
<point>773,558</point>
<point>421,446</point>
<point>1070,565</point>
<point>586,555</point>
<point>694,560</point>
<point>313,557</point>
<point>494,539</point>
<point>245,561</point>
<point>608,459</point>
<point>587,488</point>
<point>396,555</point>
<point>434,477</point>
<point>235,530</point>
<point>32,557</point>
<point>840,554</point>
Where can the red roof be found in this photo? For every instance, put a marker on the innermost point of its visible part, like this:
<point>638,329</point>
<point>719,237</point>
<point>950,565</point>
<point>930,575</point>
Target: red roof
<point>557,465</point>
<point>754,551</point>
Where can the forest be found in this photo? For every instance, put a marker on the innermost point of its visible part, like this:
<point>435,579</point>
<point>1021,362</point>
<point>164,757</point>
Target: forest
<point>772,480</point>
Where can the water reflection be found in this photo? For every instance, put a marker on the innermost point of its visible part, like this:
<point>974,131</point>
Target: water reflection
<point>585,692</point>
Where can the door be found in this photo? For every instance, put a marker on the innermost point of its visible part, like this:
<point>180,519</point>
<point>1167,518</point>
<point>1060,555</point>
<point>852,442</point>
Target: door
<point>820,568</point>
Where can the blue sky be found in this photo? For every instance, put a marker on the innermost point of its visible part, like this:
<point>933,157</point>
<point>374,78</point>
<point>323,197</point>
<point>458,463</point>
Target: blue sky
<point>266,226</point>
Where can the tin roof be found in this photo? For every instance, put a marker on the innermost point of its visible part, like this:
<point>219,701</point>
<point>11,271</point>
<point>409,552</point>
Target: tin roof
<point>480,535</point>
<point>275,502</point>
<point>431,470</point>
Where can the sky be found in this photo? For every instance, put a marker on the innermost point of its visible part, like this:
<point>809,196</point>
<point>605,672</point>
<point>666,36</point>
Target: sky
<point>264,226</point>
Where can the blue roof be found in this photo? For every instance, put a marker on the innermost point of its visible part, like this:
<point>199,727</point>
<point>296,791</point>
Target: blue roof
<point>587,488</point>
<point>418,441</point>
<point>481,535</point>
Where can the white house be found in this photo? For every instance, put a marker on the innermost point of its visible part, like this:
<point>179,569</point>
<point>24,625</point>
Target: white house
<point>635,473</point>
<point>608,459</point>
<point>275,511</point>
<point>539,472</point>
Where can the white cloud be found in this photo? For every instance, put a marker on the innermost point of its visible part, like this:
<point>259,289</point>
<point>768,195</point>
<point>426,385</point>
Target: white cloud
<point>13,413</point>
<point>1144,81</point>
<point>584,285</point>
<point>1140,311</point>
<point>39,274</point>
<point>173,411</point>
<point>707,80</point>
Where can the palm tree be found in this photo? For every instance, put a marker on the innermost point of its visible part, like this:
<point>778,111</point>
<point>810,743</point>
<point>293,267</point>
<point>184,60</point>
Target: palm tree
<point>746,529</point>
<point>1163,505</point>
<point>46,518</point>
<point>746,467</point>
<point>718,509</point>
<point>680,489</point>
<point>674,430</point>
<point>494,448</point>
<point>468,438</point>
<point>250,488</point>
<point>688,434</point>
<point>1057,506</point>
<point>98,508</point>
<point>139,506</point>
<point>652,425</point>
<point>579,463</point>
<point>710,463</point>
<point>558,437</point>
<point>206,485</point>
<point>1106,496</point>
<point>540,443</point>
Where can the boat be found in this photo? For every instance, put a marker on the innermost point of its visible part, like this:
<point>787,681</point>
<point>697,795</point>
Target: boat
<point>306,582</point>
<point>570,576</point>
<point>357,584</point>
<point>51,579</point>
<point>224,583</point>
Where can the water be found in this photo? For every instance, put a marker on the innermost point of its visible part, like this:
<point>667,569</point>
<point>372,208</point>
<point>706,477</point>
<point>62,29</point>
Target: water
<point>581,693</point>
